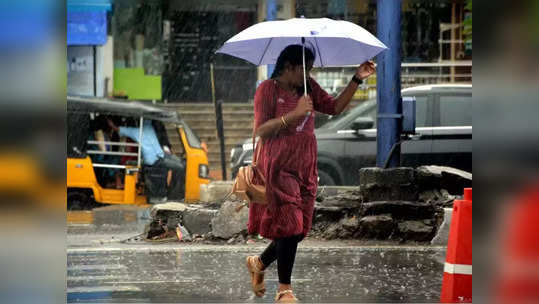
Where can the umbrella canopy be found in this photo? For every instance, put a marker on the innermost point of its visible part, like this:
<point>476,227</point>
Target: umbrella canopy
<point>335,42</point>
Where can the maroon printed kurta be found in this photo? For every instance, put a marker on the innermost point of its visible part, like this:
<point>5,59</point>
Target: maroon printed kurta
<point>288,161</point>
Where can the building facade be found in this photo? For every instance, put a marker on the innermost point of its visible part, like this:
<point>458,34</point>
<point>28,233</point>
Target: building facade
<point>162,50</point>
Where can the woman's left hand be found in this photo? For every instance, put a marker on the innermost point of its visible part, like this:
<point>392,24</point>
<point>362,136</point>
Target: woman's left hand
<point>365,70</point>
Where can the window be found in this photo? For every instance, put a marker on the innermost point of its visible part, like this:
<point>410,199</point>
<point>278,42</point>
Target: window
<point>372,114</point>
<point>77,134</point>
<point>421,111</point>
<point>456,110</point>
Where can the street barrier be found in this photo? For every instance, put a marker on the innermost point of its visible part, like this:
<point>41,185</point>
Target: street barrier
<point>457,280</point>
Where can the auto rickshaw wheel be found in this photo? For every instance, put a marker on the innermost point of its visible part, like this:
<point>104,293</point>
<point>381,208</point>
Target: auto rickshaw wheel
<point>78,200</point>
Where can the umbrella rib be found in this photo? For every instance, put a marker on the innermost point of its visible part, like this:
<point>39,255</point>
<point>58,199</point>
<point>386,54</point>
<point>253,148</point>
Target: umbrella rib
<point>265,50</point>
<point>318,48</point>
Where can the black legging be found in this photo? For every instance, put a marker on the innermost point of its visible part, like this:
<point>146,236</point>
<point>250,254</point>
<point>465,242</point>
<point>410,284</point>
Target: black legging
<point>284,251</point>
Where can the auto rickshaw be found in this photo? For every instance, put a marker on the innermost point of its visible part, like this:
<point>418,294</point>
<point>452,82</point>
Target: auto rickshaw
<point>86,161</point>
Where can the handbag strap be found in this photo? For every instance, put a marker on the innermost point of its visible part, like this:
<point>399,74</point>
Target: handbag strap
<point>256,153</point>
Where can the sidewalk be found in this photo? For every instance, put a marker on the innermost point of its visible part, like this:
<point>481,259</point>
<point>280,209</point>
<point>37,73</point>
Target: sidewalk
<point>342,210</point>
<point>115,228</point>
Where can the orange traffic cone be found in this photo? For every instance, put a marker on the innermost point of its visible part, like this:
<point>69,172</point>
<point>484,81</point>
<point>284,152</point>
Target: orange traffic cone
<point>457,280</point>
<point>517,278</point>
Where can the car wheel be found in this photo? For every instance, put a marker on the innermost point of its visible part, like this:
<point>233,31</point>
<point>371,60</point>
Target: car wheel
<point>324,179</point>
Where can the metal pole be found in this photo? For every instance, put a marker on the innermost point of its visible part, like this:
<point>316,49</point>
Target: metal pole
<point>94,52</point>
<point>221,135</point>
<point>271,14</point>
<point>453,38</point>
<point>212,84</point>
<point>218,105</point>
<point>140,142</point>
<point>389,81</point>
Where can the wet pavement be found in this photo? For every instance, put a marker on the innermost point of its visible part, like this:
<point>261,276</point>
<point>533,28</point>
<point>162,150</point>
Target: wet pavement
<point>218,274</point>
<point>102,268</point>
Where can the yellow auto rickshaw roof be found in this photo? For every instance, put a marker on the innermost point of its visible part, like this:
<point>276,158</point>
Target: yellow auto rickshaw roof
<point>110,106</point>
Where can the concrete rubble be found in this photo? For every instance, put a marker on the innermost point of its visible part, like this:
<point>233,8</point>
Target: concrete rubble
<point>215,191</point>
<point>400,204</point>
<point>440,177</point>
<point>198,220</point>
<point>437,197</point>
<point>375,227</point>
<point>228,222</point>
<point>166,217</point>
<point>416,230</point>
<point>443,229</point>
<point>396,184</point>
<point>375,220</point>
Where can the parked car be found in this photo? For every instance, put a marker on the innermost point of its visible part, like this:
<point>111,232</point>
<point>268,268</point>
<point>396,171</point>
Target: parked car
<point>347,142</point>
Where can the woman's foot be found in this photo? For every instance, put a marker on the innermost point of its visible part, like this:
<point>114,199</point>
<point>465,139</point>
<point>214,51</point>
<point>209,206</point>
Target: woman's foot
<point>285,296</point>
<point>256,269</point>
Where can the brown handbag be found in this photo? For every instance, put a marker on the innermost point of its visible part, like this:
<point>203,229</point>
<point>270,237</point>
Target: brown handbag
<point>244,186</point>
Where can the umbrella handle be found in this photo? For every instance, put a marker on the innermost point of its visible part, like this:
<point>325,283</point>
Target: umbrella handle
<point>304,74</point>
<point>300,127</point>
<point>304,71</point>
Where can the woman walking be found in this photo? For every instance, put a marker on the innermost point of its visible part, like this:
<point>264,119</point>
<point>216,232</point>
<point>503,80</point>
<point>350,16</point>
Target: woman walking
<point>284,121</point>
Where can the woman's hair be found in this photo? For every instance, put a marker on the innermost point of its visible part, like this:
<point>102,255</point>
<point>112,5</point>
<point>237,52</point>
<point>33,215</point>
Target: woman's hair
<point>293,55</point>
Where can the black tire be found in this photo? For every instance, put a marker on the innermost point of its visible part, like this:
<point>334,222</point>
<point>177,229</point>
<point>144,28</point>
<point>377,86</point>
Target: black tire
<point>78,200</point>
<point>325,179</point>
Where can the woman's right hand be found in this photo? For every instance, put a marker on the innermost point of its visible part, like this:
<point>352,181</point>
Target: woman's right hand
<point>304,106</point>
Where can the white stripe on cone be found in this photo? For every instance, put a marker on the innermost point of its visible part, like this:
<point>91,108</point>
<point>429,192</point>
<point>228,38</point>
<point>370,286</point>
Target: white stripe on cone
<point>457,268</point>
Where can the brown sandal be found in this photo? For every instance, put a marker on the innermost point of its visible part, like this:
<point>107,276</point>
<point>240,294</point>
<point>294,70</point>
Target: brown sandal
<point>278,296</point>
<point>259,289</point>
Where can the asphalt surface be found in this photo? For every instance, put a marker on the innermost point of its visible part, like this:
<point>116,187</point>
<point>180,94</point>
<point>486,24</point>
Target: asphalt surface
<point>102,267</point>
<point>217,274</point>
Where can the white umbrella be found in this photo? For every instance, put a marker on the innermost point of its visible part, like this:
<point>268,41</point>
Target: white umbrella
<point>335,42</point>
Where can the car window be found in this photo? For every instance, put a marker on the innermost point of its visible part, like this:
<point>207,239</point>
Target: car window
<point>456,110</point>
<point>369,109</point>
<point>421,111</point>
<point>372,114</point>
<point>344,120</point>
<point>420,115</point>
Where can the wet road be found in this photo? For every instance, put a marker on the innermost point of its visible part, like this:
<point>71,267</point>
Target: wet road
<point>148,273</point>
